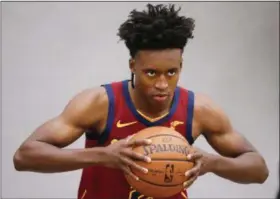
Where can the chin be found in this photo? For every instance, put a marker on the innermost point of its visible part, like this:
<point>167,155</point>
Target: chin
<point>160,103</point>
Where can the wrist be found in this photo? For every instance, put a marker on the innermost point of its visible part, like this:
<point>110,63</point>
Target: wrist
<point>95,156</point>
<point>211,162</point>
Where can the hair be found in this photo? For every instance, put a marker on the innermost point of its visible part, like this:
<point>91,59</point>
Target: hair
<point>160,27</point>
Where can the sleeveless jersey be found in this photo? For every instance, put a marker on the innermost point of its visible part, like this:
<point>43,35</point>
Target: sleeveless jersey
<point>99,182</point>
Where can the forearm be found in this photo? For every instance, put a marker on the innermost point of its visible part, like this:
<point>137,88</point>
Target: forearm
<point>42,157</point>
<point>245,169</point>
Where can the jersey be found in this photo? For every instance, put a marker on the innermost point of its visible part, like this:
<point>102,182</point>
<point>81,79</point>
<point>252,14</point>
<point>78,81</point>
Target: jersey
<point>123,119</point>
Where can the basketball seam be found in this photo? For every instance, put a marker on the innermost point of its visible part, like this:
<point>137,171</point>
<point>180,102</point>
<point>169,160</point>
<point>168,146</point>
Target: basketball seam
<point>163,159</point>
<point>174,185</point>
<point>167,135</point>
<point>170,159</point>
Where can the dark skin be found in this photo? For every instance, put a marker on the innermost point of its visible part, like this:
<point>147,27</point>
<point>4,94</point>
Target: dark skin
<point>155,72</point>
<point>239,161</point>
<point>43,151</point>
<point>154,75</point>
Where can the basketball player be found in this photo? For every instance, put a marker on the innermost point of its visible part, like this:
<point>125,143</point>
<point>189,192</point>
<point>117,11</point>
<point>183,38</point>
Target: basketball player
<point>109,114</point>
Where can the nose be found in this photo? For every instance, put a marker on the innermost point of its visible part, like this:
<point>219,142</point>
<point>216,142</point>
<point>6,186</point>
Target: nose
<point>161,83</point>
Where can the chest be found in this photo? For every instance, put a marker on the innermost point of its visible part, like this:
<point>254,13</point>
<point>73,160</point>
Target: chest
<point>124,120</point>
<point>127,124</point>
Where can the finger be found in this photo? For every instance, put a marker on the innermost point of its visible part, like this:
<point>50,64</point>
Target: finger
<point>135,143</point>
<point>194,156</point>
<point>134,165</point>
<point>135,156</point>
<point>129,137</point>
<point>189,174</point>
<point>194,171</point>
<point>127,171</point>
<point>188,183</point>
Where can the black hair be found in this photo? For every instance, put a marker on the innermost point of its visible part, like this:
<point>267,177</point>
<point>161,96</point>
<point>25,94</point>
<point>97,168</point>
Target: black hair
<point>160,27</point>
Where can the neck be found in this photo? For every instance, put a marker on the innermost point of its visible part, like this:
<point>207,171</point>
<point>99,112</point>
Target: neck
<point>145,108</point>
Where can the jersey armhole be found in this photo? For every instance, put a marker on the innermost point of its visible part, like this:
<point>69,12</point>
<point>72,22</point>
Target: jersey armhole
<point>190,109</point>
<point>110,114</point>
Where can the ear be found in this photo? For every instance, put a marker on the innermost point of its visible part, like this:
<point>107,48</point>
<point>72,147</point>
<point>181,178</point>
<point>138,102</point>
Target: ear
<point>181,64</point>
<point>132,65</point>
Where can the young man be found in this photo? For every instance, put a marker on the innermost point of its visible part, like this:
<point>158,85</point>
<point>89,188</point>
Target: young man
<point>156,39</point>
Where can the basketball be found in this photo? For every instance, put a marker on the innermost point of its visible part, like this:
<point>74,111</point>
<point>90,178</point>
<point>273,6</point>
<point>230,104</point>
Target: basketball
<point>166,171</point>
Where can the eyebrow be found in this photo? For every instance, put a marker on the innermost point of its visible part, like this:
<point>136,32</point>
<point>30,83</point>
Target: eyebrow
<point>152,68</point>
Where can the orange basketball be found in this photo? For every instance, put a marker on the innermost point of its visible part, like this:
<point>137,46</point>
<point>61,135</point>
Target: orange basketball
<point>166,174</point>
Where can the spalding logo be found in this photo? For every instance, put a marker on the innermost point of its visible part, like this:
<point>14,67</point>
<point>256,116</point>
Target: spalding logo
<point>160,148</point>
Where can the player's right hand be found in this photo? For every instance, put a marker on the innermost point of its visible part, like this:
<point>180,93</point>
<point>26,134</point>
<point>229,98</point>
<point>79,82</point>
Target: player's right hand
<point>120,155</point>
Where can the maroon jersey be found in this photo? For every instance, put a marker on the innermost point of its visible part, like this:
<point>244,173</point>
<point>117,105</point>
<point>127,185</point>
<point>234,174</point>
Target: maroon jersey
<point>99,182</point>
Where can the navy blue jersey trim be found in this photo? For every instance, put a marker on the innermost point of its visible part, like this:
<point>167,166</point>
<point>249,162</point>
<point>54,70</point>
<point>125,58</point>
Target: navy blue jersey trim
<point>189,122</point>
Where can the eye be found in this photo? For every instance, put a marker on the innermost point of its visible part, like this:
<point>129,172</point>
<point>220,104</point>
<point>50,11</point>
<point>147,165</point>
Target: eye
<point>171,73</point>
<point>151,73</point>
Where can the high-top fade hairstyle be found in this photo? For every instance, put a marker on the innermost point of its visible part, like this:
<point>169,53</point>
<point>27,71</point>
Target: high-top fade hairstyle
<point>160,27</point>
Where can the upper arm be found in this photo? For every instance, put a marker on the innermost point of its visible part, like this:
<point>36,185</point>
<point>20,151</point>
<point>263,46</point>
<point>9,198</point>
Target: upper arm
<point>218,130</point>
<point>86,110</point>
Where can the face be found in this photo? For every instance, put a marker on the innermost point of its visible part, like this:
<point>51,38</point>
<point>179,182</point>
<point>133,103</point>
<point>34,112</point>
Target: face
<point>156,74</point>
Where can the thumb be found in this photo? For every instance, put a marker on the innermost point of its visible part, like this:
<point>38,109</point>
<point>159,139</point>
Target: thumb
<point>129,137</point>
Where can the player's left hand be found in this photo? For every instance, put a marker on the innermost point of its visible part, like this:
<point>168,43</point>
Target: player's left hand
<point>196,156</point>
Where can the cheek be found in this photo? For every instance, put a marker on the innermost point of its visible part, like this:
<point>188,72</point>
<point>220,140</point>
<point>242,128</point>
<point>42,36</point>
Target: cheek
<point>172,82</point>
<point>145,84</point>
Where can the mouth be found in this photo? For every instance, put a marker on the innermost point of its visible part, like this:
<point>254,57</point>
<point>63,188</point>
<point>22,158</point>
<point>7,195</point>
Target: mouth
<point>160,97</point>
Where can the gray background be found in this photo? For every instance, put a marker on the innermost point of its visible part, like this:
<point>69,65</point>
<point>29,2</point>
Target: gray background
<point>51,51</point>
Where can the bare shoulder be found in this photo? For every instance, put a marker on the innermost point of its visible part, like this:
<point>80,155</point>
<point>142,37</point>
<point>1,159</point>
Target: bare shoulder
<point>216,127</point>
<point>87,108</point>
<point>210,116</point>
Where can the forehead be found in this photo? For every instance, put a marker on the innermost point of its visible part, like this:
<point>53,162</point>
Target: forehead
<point>154,58</point>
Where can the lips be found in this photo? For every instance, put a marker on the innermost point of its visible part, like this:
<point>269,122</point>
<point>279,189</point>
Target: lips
<point>161,94</point>
<point>160,97</point>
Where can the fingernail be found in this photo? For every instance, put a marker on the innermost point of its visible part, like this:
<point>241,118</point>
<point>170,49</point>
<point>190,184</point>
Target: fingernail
<point>145,170</point>
<point>189,156</point>
<point>187,174</point>
<point>148,159</point>
<point>149,141</point>
<point>137,178</point>
<point>185,184</point>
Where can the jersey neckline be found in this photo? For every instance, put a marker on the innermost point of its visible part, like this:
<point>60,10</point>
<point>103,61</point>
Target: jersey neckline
<point>140,118</point>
